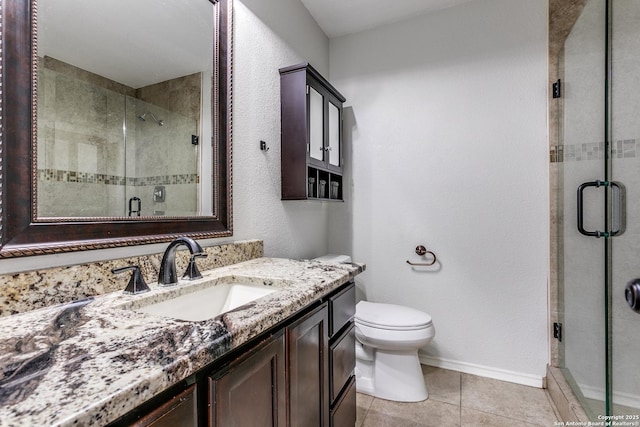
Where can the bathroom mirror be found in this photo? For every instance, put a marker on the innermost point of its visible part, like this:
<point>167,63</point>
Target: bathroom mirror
<point>114,138</point>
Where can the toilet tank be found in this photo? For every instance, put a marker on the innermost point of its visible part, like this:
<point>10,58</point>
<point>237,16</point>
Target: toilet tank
<point>339,259</point>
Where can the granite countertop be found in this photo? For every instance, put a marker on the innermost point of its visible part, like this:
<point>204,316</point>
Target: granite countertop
<point>92,361</point>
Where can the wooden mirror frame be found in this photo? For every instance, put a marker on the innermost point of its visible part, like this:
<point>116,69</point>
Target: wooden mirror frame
<point>21,232</point>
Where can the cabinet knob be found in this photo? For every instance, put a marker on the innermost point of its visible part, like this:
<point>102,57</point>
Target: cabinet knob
<point>327,149</point>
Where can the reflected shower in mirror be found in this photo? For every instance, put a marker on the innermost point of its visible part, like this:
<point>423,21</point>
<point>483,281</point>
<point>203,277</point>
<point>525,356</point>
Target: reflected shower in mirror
<point>124,97</point>
<point>85,90</point>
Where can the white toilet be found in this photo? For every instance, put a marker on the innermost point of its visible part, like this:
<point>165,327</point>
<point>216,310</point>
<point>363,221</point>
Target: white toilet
<point>388,337</point>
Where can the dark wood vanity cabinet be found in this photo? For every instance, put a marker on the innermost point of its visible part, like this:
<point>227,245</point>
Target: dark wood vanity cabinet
<point>319,362</point>
<point>298,374</point>
<point>307,347</point>
<point>177,406</point>
<point>322,360</point>
<point>251,391</point>
<point>180,410</point>
<point>311,135</point>
<point>342,357</point>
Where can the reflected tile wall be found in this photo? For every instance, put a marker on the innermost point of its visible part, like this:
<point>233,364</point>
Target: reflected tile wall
<point>81,144</point>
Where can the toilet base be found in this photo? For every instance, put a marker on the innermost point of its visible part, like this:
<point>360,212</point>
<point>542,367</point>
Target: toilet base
<point>390,375</point>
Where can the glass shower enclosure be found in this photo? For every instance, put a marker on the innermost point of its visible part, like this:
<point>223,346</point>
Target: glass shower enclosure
<point>597,165</point>
<point>105,150</point>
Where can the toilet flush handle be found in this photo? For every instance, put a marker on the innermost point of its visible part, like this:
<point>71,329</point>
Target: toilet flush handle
<point>422,251</point>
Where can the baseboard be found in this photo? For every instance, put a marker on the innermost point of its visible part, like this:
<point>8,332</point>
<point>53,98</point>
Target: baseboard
<point>619,398</point>
<point>485,371</point>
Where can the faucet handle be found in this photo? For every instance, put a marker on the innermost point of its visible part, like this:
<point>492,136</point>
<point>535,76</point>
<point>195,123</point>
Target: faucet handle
<point>192,272</point>
<point>136,284</point>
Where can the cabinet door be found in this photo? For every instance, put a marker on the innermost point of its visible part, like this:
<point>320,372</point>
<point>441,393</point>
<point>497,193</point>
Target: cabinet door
<point>344,412</point>
<point>343,360</point>
<point>335,137</point>
<point>316,126</point>
<point>180,410</point>
<point>308,341</point>
<point>252,391</point>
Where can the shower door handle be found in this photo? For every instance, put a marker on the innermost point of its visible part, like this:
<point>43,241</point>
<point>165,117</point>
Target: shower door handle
<point>137,209</point>
<point>618,208</point>
<point>581,209</point>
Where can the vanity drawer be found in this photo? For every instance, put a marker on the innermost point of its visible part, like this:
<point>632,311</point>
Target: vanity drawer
<point>342,308</point>
<point>343,360</point>
<point>344,413</point>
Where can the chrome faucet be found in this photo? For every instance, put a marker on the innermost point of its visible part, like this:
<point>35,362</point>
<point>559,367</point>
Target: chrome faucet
<point>167,275</point>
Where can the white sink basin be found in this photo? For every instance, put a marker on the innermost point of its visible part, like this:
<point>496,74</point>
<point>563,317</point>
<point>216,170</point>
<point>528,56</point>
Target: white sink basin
<point>206,303</point>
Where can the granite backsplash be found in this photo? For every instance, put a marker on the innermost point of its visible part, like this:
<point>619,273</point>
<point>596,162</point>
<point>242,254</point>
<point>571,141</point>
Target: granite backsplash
<point>27,291</point>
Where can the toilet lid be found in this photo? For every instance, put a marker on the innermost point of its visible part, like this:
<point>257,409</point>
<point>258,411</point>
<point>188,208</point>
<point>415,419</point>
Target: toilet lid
<point>391,316</point>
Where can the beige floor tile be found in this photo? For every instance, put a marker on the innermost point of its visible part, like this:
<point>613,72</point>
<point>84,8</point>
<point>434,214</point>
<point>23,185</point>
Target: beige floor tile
<point>443,385</point>
<point>485,402</point>
<point>363,403</point>
<point>385,413</point>
<point>473,418</point>
<point>508,400</point>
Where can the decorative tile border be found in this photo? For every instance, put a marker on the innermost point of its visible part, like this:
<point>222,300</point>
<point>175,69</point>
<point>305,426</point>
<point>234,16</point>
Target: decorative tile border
<point>57,175</point>
<point>621,149</point>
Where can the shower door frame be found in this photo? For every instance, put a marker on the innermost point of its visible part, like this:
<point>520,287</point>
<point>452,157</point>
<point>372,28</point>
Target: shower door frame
<point>557,36</point>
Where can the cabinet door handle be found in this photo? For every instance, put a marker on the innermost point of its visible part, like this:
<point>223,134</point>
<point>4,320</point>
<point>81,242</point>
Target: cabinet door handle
<point>327,149</point>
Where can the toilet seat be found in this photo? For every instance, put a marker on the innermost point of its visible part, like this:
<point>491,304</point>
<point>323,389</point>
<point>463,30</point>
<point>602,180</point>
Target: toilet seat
<point>391,317</point>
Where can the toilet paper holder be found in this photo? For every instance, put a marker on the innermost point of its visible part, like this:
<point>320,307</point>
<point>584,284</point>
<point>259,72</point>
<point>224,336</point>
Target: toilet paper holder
<point>422,251</point>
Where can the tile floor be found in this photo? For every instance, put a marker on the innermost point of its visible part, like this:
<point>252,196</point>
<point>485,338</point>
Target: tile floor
<point>457,399</point>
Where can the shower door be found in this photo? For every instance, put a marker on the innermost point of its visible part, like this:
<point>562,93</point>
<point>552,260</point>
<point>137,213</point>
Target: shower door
<point>600,190</point>
<point>624,167</point>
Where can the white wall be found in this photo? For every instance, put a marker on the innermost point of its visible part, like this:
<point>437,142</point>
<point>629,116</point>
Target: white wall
<point>267,36</point>
<point>446,136</point>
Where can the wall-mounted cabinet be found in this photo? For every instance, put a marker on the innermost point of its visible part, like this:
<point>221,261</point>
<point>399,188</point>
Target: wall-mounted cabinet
<point>311,135</point>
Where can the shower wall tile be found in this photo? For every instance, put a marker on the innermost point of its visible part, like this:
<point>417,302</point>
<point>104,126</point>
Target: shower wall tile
<point>80,128</point>
<point>97,178</point>
<point>181,95</point>
<point>82,199</point>
<point>61,67</point>
<point>91,194</point>
<point>620,149</point>
<point>177,157</point>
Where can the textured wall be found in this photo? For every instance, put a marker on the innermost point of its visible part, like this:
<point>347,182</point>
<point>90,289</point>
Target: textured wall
<point>264,42</point>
